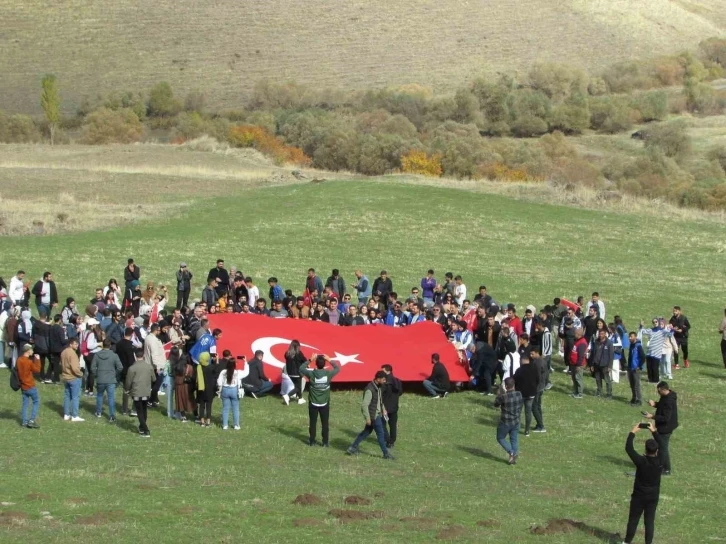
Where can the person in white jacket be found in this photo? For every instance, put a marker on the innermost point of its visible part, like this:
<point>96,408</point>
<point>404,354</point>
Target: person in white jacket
<point>231,390</point>
<point>670,346</point>
<point>155,356</point>
<point>16,289</point>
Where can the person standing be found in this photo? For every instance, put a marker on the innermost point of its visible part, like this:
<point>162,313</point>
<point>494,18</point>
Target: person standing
<point>183,285</point>
<point>510,402</point>
<point>578,358</point>
<point>336,283</point>
<point>46,295</point>
<point>294,359</point>
<point>438,384</point>
<point>41,346</point>
<point>362,287</point>
<point>428,284</point>
<point>27,365</point>
<point>125,351</point>
<point>319,395</point>
<point>636,360</point>
<point>526,381</point>
<point>540,363</point>
<point>374,413</point>
<point>58,342</point>
<point>156,357</point>
<point>646,488</point>
<point>722,332</point>
<point>681,328</point>
<point>71,375</point>
<point>601,363</point>
<point>383,286</point>
<point>107,369</point>
<point>230,387</point>
<point>666,421</point>
<point>545,349</point>
<point>221,276</point>
<point>139,380</point>
<point>207,375</point>
<point>392,390</point>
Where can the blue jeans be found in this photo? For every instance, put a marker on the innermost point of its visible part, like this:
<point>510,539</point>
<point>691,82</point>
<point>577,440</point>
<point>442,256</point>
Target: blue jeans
<point>110,390</point>
<point>230,398</point>
<point>376,425</point>
<point>30,395</point>
<point>428,302</point>
<point>262,390</point>
<point>513,431</point>
<point>71,397</point>
<point>431,388</point>
<point>170,398</point>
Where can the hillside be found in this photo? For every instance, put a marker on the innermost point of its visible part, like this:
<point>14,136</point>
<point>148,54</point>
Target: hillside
<point>223,48</point>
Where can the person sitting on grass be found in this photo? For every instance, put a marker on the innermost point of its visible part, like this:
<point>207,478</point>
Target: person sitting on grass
<point>510,402</point>
<point>438,384</point>
<point>256,383</point>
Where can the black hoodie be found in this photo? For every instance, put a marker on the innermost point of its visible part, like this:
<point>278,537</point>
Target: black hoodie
<point>666,413</point>
<point>391,391</point>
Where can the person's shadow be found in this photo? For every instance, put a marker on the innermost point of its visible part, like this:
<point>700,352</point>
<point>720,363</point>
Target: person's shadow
<point>10,416</point>
<point>616,460</point>
<point>292,432</point>
<point>483,454</point>
<point>55,407</point>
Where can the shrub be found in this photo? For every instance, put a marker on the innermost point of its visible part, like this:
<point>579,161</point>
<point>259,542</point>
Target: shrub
<point>382,122</point>
<point>718,154</point>
<point>195,101</point>
<point>18,129</point>
<point>651,106</point>
<point>105,126</point>
<point>671,138</point>
<point>572,116</point>
<point>625,77</point>
<point>378,154</point>
<point>610,115</point>
<point>409,101</point>
<point>260,139</point>
<point>557,81</point>
<point>700,97</point>
<point>576,171</point>
<point>193,125</point>
<point>714,49</point>
<point>597,86</point>
<point>162,102</point>
<point>127,99</point>
<point>461,148</point>
<point>669,71</point>
<point>556,146</point>
<point>419,162</point>
<point>529,126</point>
<point>501,172</point>
<point>494,102</point>
<point>467,108</point>
<point>337,150</point>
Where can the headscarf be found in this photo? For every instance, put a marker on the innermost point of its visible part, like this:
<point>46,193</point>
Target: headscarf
<point>25,316</point>
<point>203,361</point>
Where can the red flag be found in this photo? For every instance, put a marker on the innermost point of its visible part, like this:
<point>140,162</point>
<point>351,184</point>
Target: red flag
<point>471,320</point>
<point>360,350</point>
<point>167,349</point>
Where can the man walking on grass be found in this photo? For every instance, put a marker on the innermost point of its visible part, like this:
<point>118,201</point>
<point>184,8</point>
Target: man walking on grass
<point>577,359</point>
<point>26,366</point>
<point>601,363</point>
<point>71,375</point>
<point>511,403</point>
<point>319,395</point>
<point>107,369</point>
<point>636,360</point>
<point>392,389</point>
<point>681,326</point>
<point>666,421</point>
<point>374,413</point>
<point>139,380</point>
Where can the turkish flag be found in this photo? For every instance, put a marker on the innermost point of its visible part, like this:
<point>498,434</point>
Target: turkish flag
<point>360,350</point>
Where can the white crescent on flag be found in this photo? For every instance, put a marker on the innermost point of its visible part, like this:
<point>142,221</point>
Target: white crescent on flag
<point>266,343</point>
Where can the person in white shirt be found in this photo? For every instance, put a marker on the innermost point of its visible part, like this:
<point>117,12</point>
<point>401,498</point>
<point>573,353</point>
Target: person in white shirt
<point>16,289</point>
<point>599,305</point>
<point>253,293</point>
<point>231,390</point>
<point>459,290</point>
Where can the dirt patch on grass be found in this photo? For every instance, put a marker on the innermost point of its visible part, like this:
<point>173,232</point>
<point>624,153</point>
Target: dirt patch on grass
<point>356,500</point>
<point>11,517</point>
<point>354,515</point>
<point>379,494</point>
<point>38,496</point>
<point>101,518</point>
<point>306,522</point>
<point>554,527</point>
<point>488,523</point>
<point>452,532</point>
<point>307,499</point>
<point>185,510</point>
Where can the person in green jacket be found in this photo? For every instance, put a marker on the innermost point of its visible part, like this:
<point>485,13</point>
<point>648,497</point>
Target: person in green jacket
<point>319,395</point>
<point>374,412</point>
<point>107,369</point>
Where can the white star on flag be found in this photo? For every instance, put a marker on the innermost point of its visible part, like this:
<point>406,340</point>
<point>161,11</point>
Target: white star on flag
<point>345,359</point>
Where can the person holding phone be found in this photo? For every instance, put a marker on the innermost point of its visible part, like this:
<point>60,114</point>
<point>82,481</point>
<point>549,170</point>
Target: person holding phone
<point>666,421</point>
<point>646,488</point>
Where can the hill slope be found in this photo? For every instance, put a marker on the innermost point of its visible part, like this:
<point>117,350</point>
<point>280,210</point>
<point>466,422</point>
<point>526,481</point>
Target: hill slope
<point>223,48</point>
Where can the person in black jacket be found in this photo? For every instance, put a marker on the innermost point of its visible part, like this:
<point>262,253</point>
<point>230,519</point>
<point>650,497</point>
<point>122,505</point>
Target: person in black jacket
<point>131,273</point>
<point>41,344</point>
<point>294,359</point>
<point>256,383</point>
<point>483,366</point>
<point>220,274</point>
<point>46,295</point>
<point>666,421</point>
<point>183,285</point>
<point>526,381</point>
<point>383,286</point>
<point>58,342</point>
<point>646,489</point>
<point>392,389</point>
<point>681,326</point>
<point>438,384</point>
<point>125,351</point>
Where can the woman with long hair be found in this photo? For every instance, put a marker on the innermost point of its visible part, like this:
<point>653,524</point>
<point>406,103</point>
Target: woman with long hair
<point>230,389</point>
<point>178,363</point>
<point>93,338</point>
<point>292,381</point>
<point>114,291</point>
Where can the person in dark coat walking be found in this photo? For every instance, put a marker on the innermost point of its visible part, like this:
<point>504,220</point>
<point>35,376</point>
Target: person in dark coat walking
<point>666,421</point>
<point>58,342</point>
<point>646,489</point>
<point>392,390</point>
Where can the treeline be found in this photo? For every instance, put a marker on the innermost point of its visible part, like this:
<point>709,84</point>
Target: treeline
<point>508,128</point>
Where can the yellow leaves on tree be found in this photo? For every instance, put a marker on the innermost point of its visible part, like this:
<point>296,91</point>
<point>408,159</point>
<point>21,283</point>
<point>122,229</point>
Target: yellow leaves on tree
<point>419,162</point>
<point>268,144</point>
<point>501,172</point>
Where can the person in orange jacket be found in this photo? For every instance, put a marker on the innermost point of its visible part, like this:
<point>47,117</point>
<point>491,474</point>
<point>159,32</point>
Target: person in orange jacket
<point>27,365</point>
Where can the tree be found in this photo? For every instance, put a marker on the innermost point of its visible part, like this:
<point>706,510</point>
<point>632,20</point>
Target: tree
<point>50,102</point>
<point>162,102</point>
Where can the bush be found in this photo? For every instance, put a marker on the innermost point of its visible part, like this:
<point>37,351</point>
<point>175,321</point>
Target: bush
<point>556,146</point>
<point>193,125</point>
<point>669,71</point>
<point>260,139</point>
<point>529,126</point>
<point>125,100</point>
<point>597,86</point>
<point>419,162</point>
<point>701,98</point>
<point>501,172</point>
<point>337,150</point>
<point>718,154</point>
<point>378,154</point>
<point>308,129</point>
<point>610,115</point>
<point>627,76</point>
<point>105,126</point>
<point>572,116</point>
<point>671,138</point>
<point>651,106</point>
<point>410,101</point>
<point>576,171</point>
<point>195,101</point>
<point>18,129</point>
<point>494,102</point>
<point>714,49</point>
<point>461,148</point>
<point>162,102</point>
<point>467,109</point>
<point>557,81</point>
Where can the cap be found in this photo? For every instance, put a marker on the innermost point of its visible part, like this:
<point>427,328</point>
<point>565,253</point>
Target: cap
<point>182,265</point>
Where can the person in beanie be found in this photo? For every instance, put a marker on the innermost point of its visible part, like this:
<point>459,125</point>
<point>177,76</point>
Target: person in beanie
<point>139,380</point>
<point>374,413</point>
<point>319,395</point>
<point>27,365</point>
<point>392,389</point>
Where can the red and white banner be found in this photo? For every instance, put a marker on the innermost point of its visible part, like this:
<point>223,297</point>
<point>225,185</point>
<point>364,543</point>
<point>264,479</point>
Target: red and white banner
<point>360,350</point>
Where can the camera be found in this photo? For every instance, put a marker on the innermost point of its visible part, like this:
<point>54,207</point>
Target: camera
<point>241,358</point>
<point>644,425</point>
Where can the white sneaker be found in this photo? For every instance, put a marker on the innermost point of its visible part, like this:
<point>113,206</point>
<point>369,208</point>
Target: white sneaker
<point>237,427</point>
<point>77,419</point>
<point>3,365</point>
<point>301,401</point>
<point>66,418</point>
<point>225,428</point>
<point>286,398</point>
<point>161,393</point>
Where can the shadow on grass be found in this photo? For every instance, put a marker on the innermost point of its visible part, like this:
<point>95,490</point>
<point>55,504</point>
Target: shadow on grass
<point>55,407</point>
<point>10,416</point>
<point>616,460</point>
<point>713,375</point>
<point>601,534</point>
<point>292,432</point>
<point>713,364</point>
<point>488,421</point>
<point>484,454</point>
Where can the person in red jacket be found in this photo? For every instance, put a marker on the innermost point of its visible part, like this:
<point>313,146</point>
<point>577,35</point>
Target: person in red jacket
<point>27,365</point>
<point>514,322</point>
<point>578,359</point>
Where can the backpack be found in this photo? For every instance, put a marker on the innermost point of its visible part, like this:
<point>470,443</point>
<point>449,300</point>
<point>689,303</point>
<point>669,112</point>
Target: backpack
<point>14,379</point>
<point>84,343</point>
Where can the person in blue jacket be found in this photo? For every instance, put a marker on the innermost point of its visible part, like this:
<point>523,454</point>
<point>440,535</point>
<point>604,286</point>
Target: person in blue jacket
<point>206,344</point>
<point>636,360</point>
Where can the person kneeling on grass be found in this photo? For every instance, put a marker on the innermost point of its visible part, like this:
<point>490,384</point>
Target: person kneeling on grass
<point>511,403</point>
<point>438,383</point>
<point>374,414</point>
<point>139,380</point>
<point>26,366</point>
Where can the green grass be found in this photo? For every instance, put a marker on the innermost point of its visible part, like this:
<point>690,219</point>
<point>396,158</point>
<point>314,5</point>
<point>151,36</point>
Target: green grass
<point>188,484</point>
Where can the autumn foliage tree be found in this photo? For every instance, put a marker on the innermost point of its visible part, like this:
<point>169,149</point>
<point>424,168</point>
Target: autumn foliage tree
<point>420,162</point>
<point>260,139</point>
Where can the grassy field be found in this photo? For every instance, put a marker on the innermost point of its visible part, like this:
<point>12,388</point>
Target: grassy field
<point>224,48</point>
<point>98,482</point>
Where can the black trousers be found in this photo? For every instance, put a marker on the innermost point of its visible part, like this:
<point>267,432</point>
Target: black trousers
<point>683,345</point>
<point>155,388</point>
<point>205,408</point>
<point>182,299</point>
<point>653,368</point>
<point>44,358</point>
<point>390,428</point>
<point>324,412</point>
<point>723,352</point>
<point>641,507</point>
<point>664,454</point>
<point>53,373</point>
<point>89,376</point>
<point>486,373</point>
<point>140,407</point>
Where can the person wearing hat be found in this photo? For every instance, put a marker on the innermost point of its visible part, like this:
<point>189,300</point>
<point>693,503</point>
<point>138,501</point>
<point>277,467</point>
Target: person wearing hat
<point>183,285</point>
<point>374,412</point>
<point>27,365</point>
